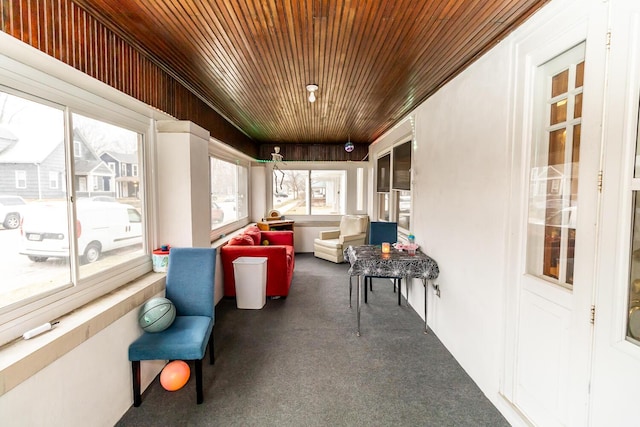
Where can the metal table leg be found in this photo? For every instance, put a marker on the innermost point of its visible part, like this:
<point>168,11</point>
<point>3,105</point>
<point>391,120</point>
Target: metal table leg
<point>426,290</point>
<point>358,296</point>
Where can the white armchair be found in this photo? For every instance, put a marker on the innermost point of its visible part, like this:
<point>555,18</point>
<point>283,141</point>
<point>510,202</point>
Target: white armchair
<point>331,243</point>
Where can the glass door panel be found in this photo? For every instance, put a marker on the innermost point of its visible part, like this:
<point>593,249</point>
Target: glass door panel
<point>553,196</point>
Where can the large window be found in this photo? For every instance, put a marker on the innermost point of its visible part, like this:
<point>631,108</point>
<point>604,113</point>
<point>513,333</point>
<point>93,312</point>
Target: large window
<point>229,192</point>
<point>555,158</point>
<point>65,224</point>
<point>309,192</point>
<point>383,186</point>
<point>393,186</point>
<point>402,184</point>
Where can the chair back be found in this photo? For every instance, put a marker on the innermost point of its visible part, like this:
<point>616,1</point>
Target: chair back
<point>353,224</point>
<point>380,231</point>
<point>191,280</point>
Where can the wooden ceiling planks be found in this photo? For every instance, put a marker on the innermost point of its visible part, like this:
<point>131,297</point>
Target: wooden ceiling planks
<point>251,59</point>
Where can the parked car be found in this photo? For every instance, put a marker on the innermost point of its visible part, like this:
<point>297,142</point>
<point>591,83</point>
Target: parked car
<point>217,214</point>
<point>11,210</point>
<point>101,226</point>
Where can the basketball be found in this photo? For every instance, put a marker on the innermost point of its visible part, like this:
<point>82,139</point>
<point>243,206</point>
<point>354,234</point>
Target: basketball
<point>174,375</point>
<point>156,315</point>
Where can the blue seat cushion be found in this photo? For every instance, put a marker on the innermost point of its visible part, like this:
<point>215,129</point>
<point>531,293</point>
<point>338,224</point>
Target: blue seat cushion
<point>185,339</point>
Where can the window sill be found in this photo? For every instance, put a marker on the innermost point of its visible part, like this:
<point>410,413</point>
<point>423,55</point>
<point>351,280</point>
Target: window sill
<point>20,359</point>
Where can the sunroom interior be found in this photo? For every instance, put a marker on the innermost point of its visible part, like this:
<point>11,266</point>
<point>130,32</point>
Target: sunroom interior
<point>481,150</point>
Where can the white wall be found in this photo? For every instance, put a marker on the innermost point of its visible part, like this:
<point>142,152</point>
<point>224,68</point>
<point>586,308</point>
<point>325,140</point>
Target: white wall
<point>460,191</point>
<point>88,386</point>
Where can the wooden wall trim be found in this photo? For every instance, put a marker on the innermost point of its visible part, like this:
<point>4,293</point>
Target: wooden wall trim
<point>65,31</point>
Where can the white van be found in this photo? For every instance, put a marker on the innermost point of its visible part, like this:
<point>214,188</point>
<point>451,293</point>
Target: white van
<point>101,227</point>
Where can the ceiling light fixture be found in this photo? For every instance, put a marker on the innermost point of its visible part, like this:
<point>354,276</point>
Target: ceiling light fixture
<point>312,88</point>
<point>348,146</point>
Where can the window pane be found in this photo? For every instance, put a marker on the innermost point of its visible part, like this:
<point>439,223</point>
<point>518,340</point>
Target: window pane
<point>242,207</point>
<point>383,206</point>
<point>291,191</point>
<point>229,188</point>
<point>577,111</point>
<point>580,74</point>
<point>559,83</point>
<point>404,210</point>
<point>109,226</point>
<point>31,151</point>
<point>384,174</point>
<point>327,192</point>
<point>310,192</point>
<point>633,323</point>
<point>553,185</point>
<point>558,111</point>
<point>402,167</point>
<point>360,189</point>
<point>633,329</point>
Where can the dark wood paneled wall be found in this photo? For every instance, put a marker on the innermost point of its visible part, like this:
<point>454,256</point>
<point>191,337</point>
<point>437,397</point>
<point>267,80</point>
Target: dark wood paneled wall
<point>66,32</point>
<point>315,152</point>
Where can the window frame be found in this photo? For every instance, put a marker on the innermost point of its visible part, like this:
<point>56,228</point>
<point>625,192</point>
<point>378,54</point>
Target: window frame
<point>353,205</point>
<point>543,238</point>
<point>388,200</point>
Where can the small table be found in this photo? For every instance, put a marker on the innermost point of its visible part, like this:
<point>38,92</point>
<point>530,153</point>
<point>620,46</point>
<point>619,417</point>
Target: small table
<point>274,225</point>
<point>368,260</point>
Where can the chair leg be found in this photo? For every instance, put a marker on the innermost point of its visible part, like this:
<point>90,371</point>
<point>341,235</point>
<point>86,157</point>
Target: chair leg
<point>199,393</point>
<point>399,291</point>
<point>135,370</point>
<point>212,358</point>
<point>350,291</point>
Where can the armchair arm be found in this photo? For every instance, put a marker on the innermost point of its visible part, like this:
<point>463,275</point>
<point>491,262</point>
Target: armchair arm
<point>353,239</point>
<point>329,234</point>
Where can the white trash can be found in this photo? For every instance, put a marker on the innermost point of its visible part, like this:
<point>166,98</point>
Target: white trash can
<point>251,281</point>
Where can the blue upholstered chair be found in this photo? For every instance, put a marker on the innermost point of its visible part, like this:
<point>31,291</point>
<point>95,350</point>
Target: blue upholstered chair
<point>190,284</point>
<point>380,232</point>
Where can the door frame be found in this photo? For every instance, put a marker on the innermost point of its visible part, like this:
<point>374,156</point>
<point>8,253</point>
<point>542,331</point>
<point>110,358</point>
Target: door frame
<point>562,26</point>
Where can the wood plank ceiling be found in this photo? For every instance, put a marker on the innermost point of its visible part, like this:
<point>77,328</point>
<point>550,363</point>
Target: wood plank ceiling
<point>374,61</point>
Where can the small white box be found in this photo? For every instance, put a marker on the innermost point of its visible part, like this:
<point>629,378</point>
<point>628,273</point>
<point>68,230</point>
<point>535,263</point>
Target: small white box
<point>251,282</point>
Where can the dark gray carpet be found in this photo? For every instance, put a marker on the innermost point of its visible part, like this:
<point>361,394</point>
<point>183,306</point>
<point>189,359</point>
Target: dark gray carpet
<point>298,362</point>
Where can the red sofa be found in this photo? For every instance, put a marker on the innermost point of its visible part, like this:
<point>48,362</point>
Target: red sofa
<point>278,249</point>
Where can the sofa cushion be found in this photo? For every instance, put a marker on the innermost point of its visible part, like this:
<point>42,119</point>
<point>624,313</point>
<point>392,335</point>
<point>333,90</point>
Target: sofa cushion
<point>242,240</point>
<point>328,243</point>
<point>254,232</point>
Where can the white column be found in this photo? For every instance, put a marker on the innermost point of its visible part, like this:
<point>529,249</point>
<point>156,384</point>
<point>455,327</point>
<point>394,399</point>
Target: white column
<point>184,205</point>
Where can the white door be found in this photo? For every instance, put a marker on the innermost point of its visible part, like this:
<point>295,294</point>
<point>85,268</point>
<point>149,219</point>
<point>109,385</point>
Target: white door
<point>616,362</point>
<point>549,329</point>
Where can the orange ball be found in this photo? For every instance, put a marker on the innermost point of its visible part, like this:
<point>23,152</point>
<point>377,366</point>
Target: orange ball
<point>175,375</point>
